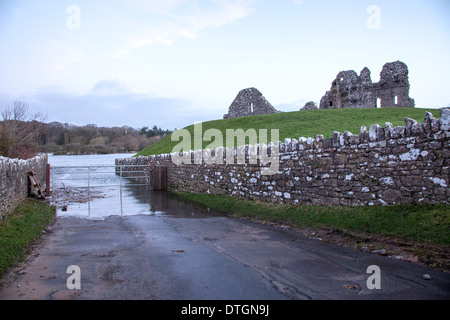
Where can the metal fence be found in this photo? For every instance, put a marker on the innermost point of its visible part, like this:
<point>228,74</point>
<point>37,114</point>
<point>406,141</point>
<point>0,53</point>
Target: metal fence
<point>97,189</point>
<point>98,176</point>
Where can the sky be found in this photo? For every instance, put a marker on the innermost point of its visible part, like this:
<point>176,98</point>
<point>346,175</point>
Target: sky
<point>171,63</point>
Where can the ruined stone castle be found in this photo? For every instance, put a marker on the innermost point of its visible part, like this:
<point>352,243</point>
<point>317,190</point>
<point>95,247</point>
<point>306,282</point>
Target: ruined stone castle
<point>249,102</point>
<point>349,90</point>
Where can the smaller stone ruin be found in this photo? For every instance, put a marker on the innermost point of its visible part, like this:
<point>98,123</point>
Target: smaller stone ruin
<point>249,102</point>
<point>350,90</point>
<point>309,106</point>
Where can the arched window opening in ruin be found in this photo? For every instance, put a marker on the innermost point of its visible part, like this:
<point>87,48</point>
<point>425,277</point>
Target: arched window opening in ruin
<point>251,107</point>
<point>331,103</point>
<point>378,103</point>
<point>396,100</point>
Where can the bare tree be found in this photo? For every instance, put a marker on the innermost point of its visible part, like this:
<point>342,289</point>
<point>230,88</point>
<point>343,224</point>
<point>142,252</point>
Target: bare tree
<point>18,130</point>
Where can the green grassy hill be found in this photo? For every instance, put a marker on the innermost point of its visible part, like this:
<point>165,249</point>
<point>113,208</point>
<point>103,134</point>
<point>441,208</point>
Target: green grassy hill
<point>303,124</point>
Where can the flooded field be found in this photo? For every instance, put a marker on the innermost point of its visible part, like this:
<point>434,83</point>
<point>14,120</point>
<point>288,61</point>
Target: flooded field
<point>87,186</point>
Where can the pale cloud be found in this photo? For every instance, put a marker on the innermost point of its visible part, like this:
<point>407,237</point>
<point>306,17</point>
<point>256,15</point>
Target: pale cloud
<point>109,103</point>
<point>109,87</point>
<point>170,23</point>
<point>297,2</point>
<point>233,10</point>
<point>59,55</point>
<point>155,6</point>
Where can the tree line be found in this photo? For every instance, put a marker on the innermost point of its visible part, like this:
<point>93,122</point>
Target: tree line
<point>23,135</point>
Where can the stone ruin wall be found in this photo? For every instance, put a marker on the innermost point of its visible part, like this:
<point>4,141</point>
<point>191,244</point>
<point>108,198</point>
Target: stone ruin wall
<point>350,90</point>
<point>380,166</point>
<point>249,102</point>
<point>14,180</point>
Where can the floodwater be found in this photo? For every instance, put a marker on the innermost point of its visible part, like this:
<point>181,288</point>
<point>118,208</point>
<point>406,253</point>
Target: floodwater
<point>108,195</point>
<point>157,252</point>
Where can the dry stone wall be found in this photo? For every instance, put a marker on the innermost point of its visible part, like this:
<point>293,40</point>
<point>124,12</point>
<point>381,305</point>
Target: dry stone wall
<point>14,180</point>
<point>382,165</point>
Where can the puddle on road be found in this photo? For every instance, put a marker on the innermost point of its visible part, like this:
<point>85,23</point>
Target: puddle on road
<point>99,203</point>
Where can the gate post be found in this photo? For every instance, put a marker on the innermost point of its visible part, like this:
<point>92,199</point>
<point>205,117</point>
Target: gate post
<point>158,177</point>
<point>47,182</point>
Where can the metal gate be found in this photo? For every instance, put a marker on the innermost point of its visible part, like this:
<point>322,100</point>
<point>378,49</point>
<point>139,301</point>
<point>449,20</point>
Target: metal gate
<point>110,187</point>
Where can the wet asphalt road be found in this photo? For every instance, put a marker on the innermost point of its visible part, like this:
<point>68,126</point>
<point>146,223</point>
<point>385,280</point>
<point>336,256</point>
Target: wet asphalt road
<point>162,257</point>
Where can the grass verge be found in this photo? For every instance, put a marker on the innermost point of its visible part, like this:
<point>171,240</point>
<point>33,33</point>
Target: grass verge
<point>21,229</point>
<point>411,232</point>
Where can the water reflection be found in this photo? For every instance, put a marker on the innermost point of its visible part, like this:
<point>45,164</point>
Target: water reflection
<point>161,202</point>
<point>122,198</point>
<point>129,200</point>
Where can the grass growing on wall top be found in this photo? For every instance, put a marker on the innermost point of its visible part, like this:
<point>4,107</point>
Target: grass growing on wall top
<point>302,124</point>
